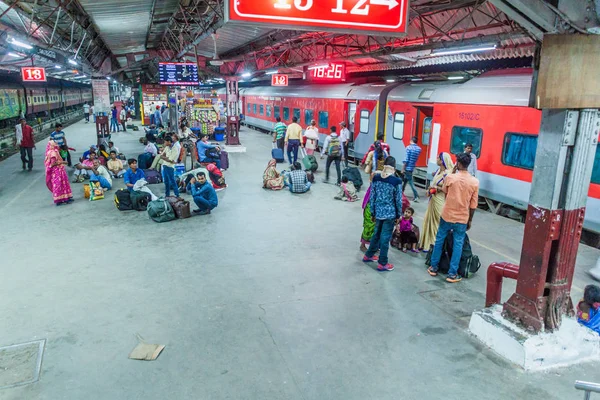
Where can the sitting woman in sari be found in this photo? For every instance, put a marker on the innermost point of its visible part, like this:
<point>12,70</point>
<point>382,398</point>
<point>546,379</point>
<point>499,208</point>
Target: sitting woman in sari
<point>216,177</point>
<point>437,198</point>
<point>57,180</point>
<point>271,178</point>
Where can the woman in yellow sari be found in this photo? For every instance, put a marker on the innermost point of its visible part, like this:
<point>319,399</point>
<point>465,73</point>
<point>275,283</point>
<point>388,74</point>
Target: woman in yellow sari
<point>437,198</point>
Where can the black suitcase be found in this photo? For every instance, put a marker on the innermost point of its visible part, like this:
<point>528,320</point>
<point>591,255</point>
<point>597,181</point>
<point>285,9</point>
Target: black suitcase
<point>140,200</point>
<point>354,176</point>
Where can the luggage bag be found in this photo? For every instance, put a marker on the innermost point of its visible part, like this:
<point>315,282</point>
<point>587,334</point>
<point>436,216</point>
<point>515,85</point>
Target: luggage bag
<point>277,154</point>
<point>140,200</point>
<point>354,176</point>
<point>309,162</point>
<point>123,200</point>
<point>152,176</point>
<point>161,211</point>
<point>180,206</point>
<point>224,159</point>
<point>469,263</point>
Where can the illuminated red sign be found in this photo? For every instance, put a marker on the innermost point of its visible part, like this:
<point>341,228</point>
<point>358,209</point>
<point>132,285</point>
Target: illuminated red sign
<point>334,72</point>
<point>33,74</point>
<point>279,80</point>
<point>374,17</point>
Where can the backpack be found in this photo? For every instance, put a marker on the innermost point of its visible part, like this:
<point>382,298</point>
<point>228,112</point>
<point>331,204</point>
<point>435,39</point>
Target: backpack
<point>140,200</point>
<point>334,148</point>
<point>160,211</point>
<point>123,200</point>
<point>469,263</point>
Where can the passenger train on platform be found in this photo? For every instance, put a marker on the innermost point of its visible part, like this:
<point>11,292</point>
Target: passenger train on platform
<point>490,111</point>
<point>39,99</point>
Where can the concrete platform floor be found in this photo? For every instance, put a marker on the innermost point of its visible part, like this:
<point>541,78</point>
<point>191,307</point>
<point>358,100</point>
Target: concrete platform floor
<point>264,299</point>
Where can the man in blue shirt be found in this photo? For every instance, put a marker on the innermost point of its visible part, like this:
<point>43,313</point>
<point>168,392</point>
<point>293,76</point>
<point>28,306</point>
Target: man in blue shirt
<point>114,122</point>
<point>202,146</point>
<point>203,193</point>
<point>386,208</point>
<point>413,151</point>
<point>158,121</point>
<point>133,174</point>
<point>59,137</point>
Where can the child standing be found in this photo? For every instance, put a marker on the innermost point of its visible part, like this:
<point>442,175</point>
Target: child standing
<point>587,309</point>
<point>347,191</point>
<point>408,231</point>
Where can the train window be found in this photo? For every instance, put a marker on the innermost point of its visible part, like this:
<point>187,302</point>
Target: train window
<point>323,119</point>
<point>248,106</point>
<point>254,107</point>
<point>277,112</point>
<point>519,150</point>
<point>462,135</point>
<point>596,167</point>
<point>364,121</point>
<point>1,103</point>
<point>286,113</point>
<point>309,115</point>
<point>398,128</point>
<point>297,114</point>
<point>269,111</point>
<point>262,109</point>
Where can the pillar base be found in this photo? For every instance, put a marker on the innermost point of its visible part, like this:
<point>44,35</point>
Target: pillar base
<point>571,344</point>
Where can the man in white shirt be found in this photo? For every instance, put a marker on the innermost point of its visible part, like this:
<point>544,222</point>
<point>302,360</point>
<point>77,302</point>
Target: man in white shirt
<point>86,112</point>
<point>123,118</point>
<point>345,139</point>
<point>473,166</point>
<point>99,173</point>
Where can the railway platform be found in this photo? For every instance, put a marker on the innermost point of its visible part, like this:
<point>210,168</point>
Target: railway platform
<point>266,298</point>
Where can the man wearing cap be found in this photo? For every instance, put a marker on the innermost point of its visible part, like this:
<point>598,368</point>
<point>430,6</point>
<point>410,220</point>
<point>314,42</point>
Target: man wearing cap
<point>345,139</point>
<point>86,154</point>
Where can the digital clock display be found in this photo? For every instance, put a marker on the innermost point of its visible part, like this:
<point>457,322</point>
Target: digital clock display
<point>334,72</point>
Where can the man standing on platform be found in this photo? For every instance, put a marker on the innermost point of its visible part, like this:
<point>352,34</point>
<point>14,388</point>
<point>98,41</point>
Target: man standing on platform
<point>169,158</point>
<point>123,118</point>
<point>86,112</point>
<point>279,133</point>
<point>26,143</point>
<point>462,191</point>
<point>345,139</point>
<point>333,149</point>
<point>293,139</point>
<point>473,165</point>
<point>413,151</point>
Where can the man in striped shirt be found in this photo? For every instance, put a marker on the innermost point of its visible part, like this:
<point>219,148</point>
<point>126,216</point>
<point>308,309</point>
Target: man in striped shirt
<point>279,133</point>
<point>413,151</point>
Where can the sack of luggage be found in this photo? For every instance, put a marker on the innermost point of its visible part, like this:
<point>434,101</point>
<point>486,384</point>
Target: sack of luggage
<point>152,176</point>
<point>123,200</point>
<point>96,191</point>
<point>469,263</point>
<point>224,157</point>
<point>140,200</point>
<point>161,211</point>
<point>354,176</point>
<point>145,160</point>
<point>277,154</point>
<point>86,191</point>
<point>309,162</point>
<point>180,206</point>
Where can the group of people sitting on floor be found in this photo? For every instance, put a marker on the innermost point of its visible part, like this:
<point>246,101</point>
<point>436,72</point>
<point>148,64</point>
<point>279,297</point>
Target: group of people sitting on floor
<point>296,180</point>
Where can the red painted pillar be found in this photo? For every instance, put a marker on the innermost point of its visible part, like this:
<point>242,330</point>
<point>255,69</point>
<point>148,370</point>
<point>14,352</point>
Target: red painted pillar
<point>563,168</point>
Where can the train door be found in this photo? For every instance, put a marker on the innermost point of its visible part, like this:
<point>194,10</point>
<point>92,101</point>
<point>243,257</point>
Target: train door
<point>365,127</point>
<point>349,116</point>
<point>423,128</point>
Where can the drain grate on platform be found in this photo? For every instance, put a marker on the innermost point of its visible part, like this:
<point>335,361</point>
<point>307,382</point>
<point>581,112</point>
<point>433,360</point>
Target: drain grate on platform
<point>20,364</point>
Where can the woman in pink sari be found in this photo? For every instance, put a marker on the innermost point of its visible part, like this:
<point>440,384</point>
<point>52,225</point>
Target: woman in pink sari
<point>57,180</point>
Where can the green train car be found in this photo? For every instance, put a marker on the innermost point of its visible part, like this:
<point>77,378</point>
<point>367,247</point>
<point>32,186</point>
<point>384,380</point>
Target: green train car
<point>12,104</point>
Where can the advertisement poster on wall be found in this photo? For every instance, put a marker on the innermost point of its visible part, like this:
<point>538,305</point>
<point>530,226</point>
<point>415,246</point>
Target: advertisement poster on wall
<point>101,95</point>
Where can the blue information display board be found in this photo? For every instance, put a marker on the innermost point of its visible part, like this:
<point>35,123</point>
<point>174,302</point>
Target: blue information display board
<point>184,74</point>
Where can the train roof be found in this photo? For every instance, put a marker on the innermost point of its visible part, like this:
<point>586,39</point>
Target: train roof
<point>326,91</point>
<point>494,89</point>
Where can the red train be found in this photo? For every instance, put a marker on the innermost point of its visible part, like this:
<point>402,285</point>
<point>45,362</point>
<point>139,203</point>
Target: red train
<point>490,111</point>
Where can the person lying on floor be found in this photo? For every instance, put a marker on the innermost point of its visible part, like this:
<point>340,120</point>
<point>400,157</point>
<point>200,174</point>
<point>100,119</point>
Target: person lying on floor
<point>297,180</point>
<point>115,166</point>
<point>82,169</point>
<point>133,174</point>
<point>203,193</point>
<point>99,173</point>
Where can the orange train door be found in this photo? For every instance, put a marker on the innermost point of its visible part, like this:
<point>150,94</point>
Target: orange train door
<point>423,128</point>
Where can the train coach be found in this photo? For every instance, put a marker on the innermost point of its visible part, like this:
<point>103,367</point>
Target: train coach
<point>490,111</point>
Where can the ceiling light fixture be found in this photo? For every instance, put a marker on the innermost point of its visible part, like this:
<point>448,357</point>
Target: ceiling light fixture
<point>73,62</point>
<point>246,74</point>
<point>14,55</point>
<point>57,67</point>
<point>390,80</point>
<point>271,72</point>
<point>318,66</point>
<point>463,50</point>
<point>416,79</point>
<point>21,44</point>
<point>456,78</point>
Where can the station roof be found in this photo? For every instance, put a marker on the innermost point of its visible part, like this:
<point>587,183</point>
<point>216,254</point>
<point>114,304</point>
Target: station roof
<point>126,40</point>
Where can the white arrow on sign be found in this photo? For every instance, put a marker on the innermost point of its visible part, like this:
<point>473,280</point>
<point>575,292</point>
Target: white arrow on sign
<point>390,3</point>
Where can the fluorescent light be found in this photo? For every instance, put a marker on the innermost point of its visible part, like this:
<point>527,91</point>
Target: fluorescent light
<point>271,72</point>
<point>464,50</point>
<point>14,55</point>
<point>246,74</point>
<point>108,77</point>
<point>318,66</point>
<point>416,79</point>
<point>390,80</point>
<point>57,67</point>
<point>73,62</point>
<point>21,44</point>
<point>456,78</point>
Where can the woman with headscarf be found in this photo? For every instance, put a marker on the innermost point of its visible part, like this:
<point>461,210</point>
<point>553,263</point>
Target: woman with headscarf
<point>57,179</point>
<point>311,138</point>
<point>216,177</point>
<point>437,198</point>
<point>271,178</point>
<point>376,158</point>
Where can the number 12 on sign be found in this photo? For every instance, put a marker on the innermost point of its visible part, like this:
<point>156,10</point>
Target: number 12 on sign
<point>279,80</point>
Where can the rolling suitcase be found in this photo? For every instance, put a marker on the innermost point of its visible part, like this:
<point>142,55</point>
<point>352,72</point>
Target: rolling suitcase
<point>309,162</point>
<point>152,176</point>
<point>277,154</point>
<point>224,159</point>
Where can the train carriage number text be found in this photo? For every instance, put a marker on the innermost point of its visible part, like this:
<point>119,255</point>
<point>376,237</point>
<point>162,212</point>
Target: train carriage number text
<point>469,116</point>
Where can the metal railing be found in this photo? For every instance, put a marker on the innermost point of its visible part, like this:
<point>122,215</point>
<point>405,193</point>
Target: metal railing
<point>588,388</point>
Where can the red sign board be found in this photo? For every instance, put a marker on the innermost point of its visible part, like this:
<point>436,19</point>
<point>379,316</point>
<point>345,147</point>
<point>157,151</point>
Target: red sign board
<point>334,72</point>
<point>374,17</point>
<point>33,74</point>
<point>279,80</point>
